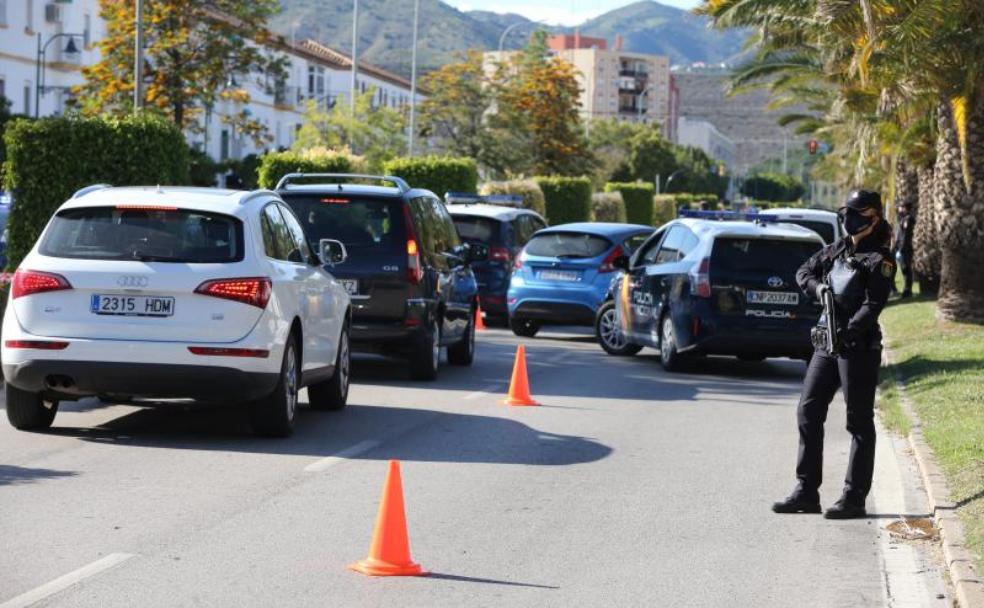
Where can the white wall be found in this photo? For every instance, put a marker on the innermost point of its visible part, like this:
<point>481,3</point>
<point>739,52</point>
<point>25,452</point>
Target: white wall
<point>704,135</point>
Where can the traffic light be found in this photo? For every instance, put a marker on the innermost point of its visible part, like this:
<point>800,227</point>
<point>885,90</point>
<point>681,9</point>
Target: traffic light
<point>812,146</point>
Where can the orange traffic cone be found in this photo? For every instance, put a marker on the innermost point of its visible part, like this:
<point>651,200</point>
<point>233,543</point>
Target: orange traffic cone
<point>389,553</point>
<point>519,386</point>
<point>479,321</point>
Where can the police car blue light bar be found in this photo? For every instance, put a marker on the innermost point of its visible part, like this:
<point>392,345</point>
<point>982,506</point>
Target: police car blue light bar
<point>753,216</point>
<point>470,198</point>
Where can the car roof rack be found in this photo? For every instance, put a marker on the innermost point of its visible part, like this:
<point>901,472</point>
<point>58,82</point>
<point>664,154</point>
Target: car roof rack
<point>470,198</point>
<point>89,189</point>
<point>286,180</point>
<point>741,216</point>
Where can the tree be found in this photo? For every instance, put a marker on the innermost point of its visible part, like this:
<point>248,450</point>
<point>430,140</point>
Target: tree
<point>611,142</point>
<point>544,93</point>
<point>651,155</point>
<point>701,173</point>
<point>197,54</point>
<point>459,97</point>
<point>774,187</point>
<point>377,133</point>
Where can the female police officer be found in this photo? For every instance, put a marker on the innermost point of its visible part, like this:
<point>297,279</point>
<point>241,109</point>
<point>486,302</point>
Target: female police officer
<point>859,270</point>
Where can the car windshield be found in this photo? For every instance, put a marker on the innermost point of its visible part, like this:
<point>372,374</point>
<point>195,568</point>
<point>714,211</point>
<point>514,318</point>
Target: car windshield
<point>476,229</point>
<point>567,245</point>
<point>824,229</point>
<point>147,234</point>
<point>363,224</point>
<point>736,255</point>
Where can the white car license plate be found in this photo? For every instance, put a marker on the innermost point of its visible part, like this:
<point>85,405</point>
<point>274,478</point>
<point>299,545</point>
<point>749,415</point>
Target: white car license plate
<point>132,306</point>
<point>351,286</point>
<point>559,275</point>
<point>780,298</point>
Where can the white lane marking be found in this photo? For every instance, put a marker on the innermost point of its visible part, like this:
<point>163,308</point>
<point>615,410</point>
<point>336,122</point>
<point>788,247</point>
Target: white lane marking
<point>64,582</point>
<point>485,391</point>
<point>337,457</point>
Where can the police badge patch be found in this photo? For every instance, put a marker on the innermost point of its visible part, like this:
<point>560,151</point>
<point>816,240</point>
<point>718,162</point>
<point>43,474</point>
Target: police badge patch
<point>887,269</point>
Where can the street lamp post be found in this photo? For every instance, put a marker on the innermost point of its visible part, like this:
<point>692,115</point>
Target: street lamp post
<point>40,66</point>
<point>355,50</point>
<point>670,179</point>
<point>138,95</point>
<point>502,38</point>
<point>413,78</point>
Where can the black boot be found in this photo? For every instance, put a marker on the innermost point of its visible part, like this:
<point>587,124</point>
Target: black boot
<point>798,502</point>
<point>850,506</point>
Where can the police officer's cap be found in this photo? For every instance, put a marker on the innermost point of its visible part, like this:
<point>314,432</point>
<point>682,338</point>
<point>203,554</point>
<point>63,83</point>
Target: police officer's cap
<point>859,200</point>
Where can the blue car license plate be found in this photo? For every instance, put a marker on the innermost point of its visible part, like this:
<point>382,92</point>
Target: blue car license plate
<point>132,306</point>
<point>559,275</point>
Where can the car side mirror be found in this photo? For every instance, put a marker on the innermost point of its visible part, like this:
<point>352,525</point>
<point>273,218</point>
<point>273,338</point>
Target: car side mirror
<point>621,262</point>
<point>332,252</point>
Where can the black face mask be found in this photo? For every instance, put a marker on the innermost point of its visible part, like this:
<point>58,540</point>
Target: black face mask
<point>854,222</point>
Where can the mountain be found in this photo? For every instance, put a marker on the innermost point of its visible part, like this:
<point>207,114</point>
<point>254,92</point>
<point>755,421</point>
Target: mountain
<point>386,31</point>
<point>653,28</point>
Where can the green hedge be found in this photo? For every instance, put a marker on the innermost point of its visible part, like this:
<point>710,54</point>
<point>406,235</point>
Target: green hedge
<point>664,209</point>
<point>275,165</point>
<point>638,197</point>
<point>51,158</point>
<point>527,188</point>
<point>568,198</point>
<point>439,174</point>
<point>608,207</point>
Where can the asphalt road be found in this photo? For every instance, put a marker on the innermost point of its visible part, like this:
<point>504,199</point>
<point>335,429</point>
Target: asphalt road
<point>628,487</point>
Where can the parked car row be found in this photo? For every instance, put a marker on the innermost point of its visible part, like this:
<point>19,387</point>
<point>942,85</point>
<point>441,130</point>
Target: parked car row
<point>152,294</point>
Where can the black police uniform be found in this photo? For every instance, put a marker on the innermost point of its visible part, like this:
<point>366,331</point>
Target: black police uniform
<point>860,280</point>
<point>903,249</point>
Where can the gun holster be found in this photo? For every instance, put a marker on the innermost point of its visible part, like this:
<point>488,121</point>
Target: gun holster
<point>819,337</point>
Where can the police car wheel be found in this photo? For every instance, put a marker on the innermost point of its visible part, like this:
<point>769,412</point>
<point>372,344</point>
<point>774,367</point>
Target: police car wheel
<point>610,335</point>
<point>669,358</point>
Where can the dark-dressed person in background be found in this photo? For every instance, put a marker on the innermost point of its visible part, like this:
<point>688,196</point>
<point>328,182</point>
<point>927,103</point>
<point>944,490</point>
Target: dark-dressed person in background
<point>903,246</point>
<point>860,271</point>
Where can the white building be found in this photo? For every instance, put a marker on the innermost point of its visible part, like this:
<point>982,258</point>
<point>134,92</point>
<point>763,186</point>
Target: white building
<point>315,72</point>
<point>26,24</point>
<point>704,135</point>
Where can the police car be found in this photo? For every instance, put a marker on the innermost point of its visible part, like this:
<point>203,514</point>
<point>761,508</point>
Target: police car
<point>713,283</point>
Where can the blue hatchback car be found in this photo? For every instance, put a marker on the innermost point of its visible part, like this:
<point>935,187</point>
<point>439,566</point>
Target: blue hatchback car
<point>564,272</point>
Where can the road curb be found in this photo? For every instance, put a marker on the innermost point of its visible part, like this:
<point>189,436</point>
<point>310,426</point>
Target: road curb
<point>967,583</point>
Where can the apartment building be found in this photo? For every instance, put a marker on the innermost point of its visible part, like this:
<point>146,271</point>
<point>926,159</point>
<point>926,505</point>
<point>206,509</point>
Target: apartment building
<point>66,31</point>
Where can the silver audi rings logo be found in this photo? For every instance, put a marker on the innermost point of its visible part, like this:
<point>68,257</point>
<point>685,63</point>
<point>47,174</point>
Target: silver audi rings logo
<point>132,281</point>
<point>776,282</point>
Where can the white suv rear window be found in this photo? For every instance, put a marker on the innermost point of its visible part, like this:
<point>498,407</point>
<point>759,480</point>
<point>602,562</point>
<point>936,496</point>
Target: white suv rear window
<point>151,234</point>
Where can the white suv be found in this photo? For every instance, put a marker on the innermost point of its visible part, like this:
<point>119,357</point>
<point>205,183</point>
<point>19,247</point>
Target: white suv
<point>176,293</point>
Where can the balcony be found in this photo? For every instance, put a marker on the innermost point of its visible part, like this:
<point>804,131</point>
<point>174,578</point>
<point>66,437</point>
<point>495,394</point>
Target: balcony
<point>633,73</point>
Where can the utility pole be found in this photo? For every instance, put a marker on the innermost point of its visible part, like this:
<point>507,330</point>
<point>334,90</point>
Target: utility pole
<point>413,78</point>
<point>355,51</point>
<point>138,95</point>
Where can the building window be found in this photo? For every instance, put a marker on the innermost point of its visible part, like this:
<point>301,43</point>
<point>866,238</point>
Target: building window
<point>3,13</point>
<point>30,16</point>
<point>86,31</point>
<point>316,81</point>
<point>27,98</point>
<point>3,87</point>
<point>224,145</point>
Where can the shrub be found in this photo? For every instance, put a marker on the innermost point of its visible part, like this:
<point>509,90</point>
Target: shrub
<point>568,198</point>
<point>439,174</point>
<point>664,209</point>
<point>275,165</point>
<point>608,207</point>
<point>527,188</point>
<point>202,169</point>
<point>774,187</point>
<point>638,197</point>
<point>49,159</point>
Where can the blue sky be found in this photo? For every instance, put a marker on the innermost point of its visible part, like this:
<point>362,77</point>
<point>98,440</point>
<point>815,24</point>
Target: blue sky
<point>566,12</point>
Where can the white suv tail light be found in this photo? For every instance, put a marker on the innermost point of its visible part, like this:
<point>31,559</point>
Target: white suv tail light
<point>28,282</point>
<point>254,291</point>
